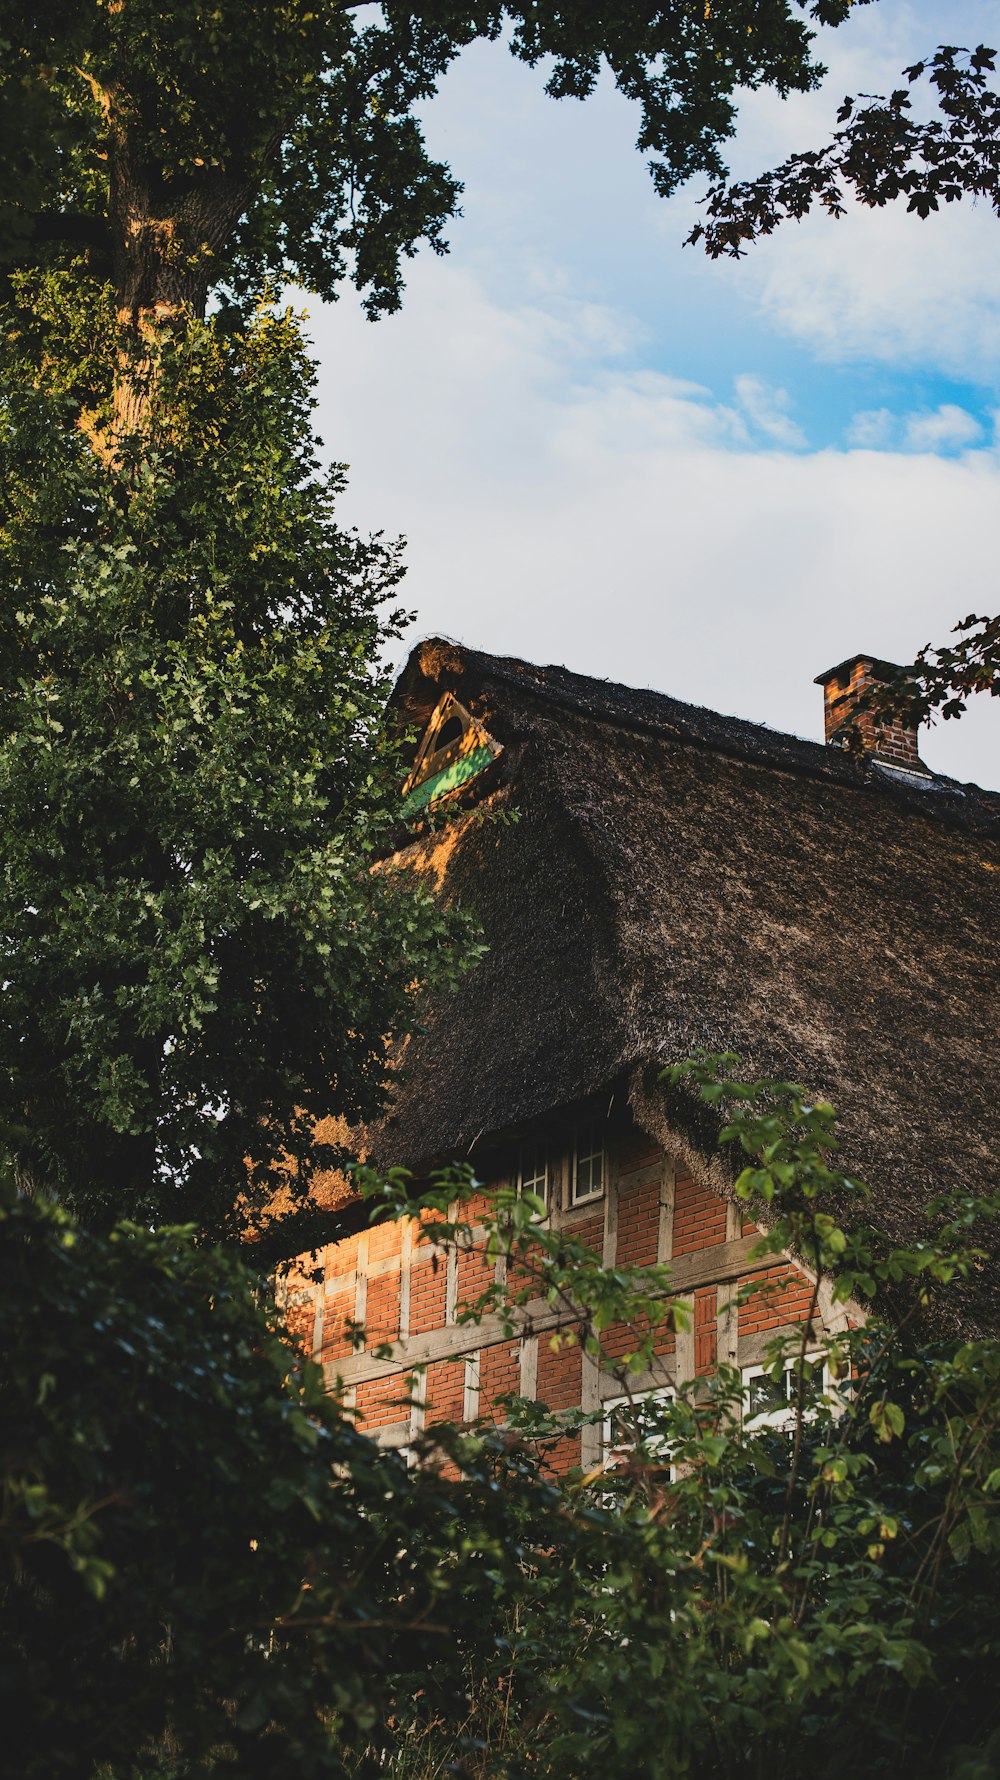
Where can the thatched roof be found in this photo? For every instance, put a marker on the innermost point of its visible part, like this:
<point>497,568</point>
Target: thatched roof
<point>675,879</point>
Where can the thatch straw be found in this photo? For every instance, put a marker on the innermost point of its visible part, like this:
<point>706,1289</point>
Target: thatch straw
<point>676,880</point>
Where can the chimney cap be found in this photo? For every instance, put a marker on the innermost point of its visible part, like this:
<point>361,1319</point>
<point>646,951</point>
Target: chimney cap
<point>882,670</point>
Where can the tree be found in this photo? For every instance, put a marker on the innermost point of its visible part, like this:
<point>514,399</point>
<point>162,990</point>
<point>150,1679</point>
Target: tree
<point>198,962</point>
<point>882,154</point>
<point>204,1568</point>
<point>163,151</point>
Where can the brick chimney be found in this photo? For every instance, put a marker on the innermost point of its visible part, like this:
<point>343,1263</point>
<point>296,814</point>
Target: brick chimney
<point>894,743</point>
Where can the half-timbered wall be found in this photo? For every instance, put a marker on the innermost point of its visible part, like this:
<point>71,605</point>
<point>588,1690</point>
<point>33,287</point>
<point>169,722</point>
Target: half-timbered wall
<point>406,1291</point>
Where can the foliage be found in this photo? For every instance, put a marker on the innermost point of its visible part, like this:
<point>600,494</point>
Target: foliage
<point>543,1268</point>
<point>284,140</point>
<point>203,1566</point>
<point>198,961</point>
<point>883,153</point>
<point>757,1599</point>
<point>943,679</point>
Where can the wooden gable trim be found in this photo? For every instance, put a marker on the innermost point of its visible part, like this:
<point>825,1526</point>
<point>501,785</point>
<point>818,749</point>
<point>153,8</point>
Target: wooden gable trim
<point>454,749</point>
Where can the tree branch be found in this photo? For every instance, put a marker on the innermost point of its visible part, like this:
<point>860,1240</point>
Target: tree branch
<point>76,227</point>
<point>881,153</point>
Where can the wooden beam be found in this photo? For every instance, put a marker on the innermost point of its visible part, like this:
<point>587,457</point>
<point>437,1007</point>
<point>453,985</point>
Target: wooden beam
<point>710,1266</point>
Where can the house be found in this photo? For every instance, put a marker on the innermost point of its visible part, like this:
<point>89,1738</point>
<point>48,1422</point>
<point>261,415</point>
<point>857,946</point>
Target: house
<point>651,879</point>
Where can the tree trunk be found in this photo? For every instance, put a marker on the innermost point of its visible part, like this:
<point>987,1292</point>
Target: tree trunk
<point>165,257</point>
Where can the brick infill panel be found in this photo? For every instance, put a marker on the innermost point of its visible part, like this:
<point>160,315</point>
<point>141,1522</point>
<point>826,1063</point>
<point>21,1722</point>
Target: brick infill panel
<point>724,1261</point>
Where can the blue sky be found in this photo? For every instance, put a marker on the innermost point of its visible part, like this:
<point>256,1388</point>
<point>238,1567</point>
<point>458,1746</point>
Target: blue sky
<point>715,479</point>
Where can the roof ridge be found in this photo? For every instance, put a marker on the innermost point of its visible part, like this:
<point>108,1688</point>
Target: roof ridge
<point>607,701</point>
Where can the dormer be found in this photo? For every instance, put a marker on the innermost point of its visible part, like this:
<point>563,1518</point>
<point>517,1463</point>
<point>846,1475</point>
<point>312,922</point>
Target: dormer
<point>454,749</point>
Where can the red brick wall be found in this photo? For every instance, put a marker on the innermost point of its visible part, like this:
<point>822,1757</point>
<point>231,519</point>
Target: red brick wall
<point>475,1273</point>
<point>499,1373</point>
<point>638,1221</point>
<point>300,1318</point>
<point>590,1229</point>
<point>381,1402</point>
<point>384,1243</point>
<point>337,1309</point>
<point>445,1391</point>
<point>428,1289</point>
<point>699,1217</point>
<point>560,1386</point>
<point>382,1309</point>
<point>783,1296</point>
<point>699,1226</point>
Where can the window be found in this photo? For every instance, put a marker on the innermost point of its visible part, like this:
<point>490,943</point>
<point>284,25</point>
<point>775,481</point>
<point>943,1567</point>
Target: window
<point>587,1180</point>
<point>450,732</point>
<point>628,1420</point>
<point>770,1402</point>
<point>455,749</point>
<point>533,1176</point>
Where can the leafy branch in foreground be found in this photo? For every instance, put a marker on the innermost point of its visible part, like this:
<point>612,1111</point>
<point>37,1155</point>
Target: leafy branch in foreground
<point>183,151</point>
<point>812,1589</point>
<point>205,1568</point>
<point>881,153</point>
<point>536,1277</point>
<point>944,679</point>
<point>154,155</point>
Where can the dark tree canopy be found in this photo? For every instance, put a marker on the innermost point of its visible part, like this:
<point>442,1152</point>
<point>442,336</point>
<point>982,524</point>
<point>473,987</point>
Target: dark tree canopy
<point>200,1557</point>
<point>198,963</point>
<point>881,153</point>
<point>205,1570</point>
<point>184,147</point>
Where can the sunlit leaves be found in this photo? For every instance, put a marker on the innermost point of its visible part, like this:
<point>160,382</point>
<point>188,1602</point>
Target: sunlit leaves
<point>284,140</point>
<point>198,961</point>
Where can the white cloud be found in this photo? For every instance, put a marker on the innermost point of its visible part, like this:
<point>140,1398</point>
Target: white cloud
<point>882,285</point>
<point>878,284</point>
<point>623,522</point>
<point>561,184</point>
<point>767,411</point>
<point>872,429</point>
<point>571,492</point>
<point>945,428</point>
<point>948,427</point>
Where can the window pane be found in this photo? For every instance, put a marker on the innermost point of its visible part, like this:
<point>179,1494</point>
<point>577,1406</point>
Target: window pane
<point>535,1173</point>
<point>774,1401</point>
<point>588,1173</point>
<point>764,1394</point>
<point>627,1421</point>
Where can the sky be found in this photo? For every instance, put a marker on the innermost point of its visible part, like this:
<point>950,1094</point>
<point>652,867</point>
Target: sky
<point>715,479</point>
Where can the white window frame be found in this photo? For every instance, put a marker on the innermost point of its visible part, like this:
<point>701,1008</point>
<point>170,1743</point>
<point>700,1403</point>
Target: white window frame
<point>529,1183</point>
<point>782,1418</point>
<point>593,1128</point>
<point>657,1447</point>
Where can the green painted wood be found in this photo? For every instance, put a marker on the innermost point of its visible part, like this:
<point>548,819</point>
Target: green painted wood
<point>448,779</point>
